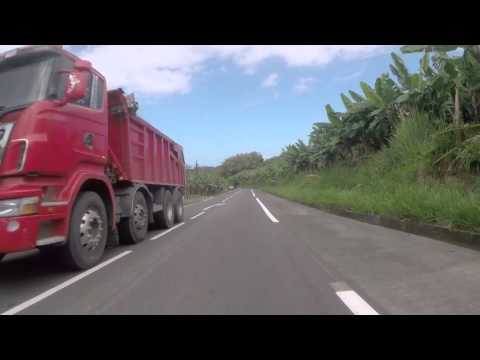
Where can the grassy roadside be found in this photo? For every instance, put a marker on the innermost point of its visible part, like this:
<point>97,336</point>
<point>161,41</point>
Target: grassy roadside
<point>192,199</point>
<point>434,203</point>
<point>397,182</point>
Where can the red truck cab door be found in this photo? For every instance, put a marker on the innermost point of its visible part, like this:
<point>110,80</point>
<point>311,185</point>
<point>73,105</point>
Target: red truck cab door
<point>85,127</point>
<point>89,123</point>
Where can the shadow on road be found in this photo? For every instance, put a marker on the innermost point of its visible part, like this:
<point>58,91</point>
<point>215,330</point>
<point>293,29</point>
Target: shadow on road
<point>28,274</point>
<point>29,267</point>
<point>33,267</point>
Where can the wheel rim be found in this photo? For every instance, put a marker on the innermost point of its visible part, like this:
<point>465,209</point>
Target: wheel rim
<point>170,213</point>
<point>139,217</point>
<point>91,230</point>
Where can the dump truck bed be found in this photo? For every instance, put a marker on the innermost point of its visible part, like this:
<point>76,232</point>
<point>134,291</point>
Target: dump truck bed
<point>143,153</point>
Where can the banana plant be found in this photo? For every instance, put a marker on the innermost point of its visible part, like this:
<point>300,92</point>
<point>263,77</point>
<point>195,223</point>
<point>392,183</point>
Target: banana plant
<point>299,156</point>
<point>454,67</point>
<point>414,87</point>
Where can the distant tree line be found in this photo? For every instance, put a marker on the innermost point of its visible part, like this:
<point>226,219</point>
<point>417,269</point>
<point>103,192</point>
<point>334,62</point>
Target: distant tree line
<point>205,180</point>
<point>235,164</point>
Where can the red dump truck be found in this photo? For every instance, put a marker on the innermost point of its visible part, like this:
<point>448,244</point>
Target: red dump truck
<point>79,170</point>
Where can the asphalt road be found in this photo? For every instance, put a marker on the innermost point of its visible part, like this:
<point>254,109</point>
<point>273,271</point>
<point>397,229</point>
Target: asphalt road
<point>254,253</point>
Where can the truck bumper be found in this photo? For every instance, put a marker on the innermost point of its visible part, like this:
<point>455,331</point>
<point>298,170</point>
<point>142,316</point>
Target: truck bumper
<point>28,232</point>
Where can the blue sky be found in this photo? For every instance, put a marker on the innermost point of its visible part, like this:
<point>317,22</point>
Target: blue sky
<point>221,100</point>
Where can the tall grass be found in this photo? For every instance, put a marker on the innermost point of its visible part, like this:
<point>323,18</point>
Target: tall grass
<point>396,182</point>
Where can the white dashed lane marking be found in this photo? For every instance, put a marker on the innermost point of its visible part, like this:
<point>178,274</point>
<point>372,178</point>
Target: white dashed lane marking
<point>166,232</point>
<point>352,300</point>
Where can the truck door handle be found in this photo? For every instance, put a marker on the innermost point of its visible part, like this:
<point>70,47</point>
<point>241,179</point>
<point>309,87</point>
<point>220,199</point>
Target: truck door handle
<point>88,140</point>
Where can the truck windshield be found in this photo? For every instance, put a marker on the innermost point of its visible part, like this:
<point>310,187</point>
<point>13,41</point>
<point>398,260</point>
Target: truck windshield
<point>24,81</point>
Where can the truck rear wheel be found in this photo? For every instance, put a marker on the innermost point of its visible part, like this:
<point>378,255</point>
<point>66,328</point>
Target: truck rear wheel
<point>88,232</point>
<point>166,217</point>
<point>134,228</point>
<point>178,206</point>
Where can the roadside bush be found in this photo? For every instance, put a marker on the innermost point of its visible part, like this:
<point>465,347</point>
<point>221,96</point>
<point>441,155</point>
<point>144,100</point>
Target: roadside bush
<point>205,183</point>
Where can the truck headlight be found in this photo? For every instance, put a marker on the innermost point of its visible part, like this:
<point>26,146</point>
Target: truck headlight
<point>19,207</point>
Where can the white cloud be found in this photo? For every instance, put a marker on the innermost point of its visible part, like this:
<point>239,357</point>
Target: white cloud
<point>303,85</point>
<point>147,69</point>
<point>270,81</point>
<point>295,55</point>
<point>169,69</point>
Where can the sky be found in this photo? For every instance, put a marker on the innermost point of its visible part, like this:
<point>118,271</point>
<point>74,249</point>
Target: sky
<point>221,100</point>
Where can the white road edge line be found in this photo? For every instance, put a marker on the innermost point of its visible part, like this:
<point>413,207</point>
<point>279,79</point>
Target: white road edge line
<point>266,211</point>
<point>355,303</point>
<point>63,285</point>
<point>253,194</point>
<point>198,215</point>
<point>156,237</point>
<point>212,206</point>
<point>210,198</point>
<point>199,201</point>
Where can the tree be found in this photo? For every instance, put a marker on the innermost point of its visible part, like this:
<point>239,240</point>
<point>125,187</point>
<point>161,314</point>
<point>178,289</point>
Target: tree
<point>235,164</point>
<point>457,69</point>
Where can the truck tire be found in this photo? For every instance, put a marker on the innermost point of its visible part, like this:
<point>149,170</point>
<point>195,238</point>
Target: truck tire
<point>1,257</point>
<point>87,236</point>
<point>133,229</point>
<point>178,206</point>
<point>166,217</point>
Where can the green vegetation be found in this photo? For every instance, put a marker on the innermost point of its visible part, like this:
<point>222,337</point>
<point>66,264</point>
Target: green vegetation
<point>240,162</point>
<point>408,146</point>
<point>272,171</point>
<point>395,182</point>
<point>204,182</point>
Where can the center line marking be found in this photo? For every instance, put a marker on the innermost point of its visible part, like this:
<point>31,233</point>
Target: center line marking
<point>166,232</point>
<point>198,215</point>
<point>355,303</point>
<point>63,285</point>
<point>267,212</point>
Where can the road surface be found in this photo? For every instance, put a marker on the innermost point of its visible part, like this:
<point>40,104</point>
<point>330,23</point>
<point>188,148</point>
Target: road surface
<point>249,252</point>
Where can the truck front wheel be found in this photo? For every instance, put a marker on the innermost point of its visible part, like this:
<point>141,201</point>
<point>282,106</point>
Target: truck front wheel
<point>134,228</point>
<point>166,217</point>
<point>88,232</point>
